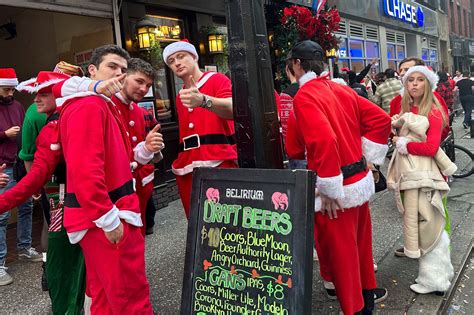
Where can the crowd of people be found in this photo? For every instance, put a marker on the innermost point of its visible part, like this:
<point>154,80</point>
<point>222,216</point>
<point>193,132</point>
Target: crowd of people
<point>88,142</point>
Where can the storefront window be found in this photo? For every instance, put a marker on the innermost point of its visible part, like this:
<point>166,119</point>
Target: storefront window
<point>163,104</point>
<point>372,49</point>
<point>400,52</point>
<point>357,65</point>
<point>424,54</point>
<point>396,48</point>
<point>356,48</point>
<point>390,51</point>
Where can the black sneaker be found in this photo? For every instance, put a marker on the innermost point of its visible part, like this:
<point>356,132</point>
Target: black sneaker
<point>400,252</point>
<point>44,279</point>
<point>380,294</point>
<point>331,294</point>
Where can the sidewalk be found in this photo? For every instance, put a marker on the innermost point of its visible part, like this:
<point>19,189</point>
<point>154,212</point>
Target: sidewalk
<point>165,251</point>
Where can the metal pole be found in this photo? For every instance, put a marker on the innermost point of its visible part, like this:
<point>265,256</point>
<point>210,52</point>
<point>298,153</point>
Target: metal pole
<point>331,70</point>
<point>255,116</point>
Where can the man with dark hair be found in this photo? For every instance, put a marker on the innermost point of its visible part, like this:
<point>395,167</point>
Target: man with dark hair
<point>12,115</point>
<point>102,211</point>
<point>407,63</point>
<point>466,96</point>
<point>339,128</point>
<point>100,53</point>
<point>387,90</point>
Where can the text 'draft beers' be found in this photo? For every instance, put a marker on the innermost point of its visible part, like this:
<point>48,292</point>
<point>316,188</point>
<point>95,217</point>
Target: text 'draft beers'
<point>249,243</point>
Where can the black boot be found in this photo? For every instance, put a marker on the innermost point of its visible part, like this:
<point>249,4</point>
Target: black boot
<point>44,279</point>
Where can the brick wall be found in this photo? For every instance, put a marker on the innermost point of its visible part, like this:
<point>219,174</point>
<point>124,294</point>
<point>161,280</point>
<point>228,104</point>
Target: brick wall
<point>462,20</point>
<point>164,194</point>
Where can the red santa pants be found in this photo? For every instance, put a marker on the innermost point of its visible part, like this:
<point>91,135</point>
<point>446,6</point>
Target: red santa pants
<point>115,273</point>
<point>185,183</point>
<point>344,247</point>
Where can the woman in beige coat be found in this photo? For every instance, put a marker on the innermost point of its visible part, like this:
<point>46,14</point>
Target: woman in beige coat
<point>416,171</point>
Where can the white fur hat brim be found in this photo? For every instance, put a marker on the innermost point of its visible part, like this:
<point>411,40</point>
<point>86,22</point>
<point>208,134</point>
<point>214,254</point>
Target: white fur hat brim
<point>430,75</point>
<point>179,46</point>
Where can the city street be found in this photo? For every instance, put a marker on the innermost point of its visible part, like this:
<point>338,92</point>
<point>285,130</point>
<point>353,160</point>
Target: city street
<point>166,249</point>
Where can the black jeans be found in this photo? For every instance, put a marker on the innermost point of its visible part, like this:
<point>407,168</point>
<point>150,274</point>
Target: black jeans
<point>467,102</point>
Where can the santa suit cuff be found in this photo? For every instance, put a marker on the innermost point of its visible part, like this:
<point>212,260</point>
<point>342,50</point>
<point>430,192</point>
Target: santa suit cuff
<point>109,221</point>
<point>331,186</point>
<point>374,152</point>
<point>141,153</point>
<point>75,85</point>
<point>402,145</point>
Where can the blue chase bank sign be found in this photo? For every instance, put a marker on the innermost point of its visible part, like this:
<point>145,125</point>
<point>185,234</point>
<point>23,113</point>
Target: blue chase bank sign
<point>405,12</point>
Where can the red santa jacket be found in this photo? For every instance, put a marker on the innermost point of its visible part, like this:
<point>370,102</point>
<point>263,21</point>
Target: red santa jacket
<point>338,128</point>
<point>133,119</point>
<point>44,163</point>
<point>200,122</point>
<point>96,150</point>
<point>396,107</point>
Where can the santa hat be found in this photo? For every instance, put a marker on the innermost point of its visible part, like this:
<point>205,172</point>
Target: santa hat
<point>42,83</point>
<point>8,77</point>
<point>182,45</point>
<point>430,75</point>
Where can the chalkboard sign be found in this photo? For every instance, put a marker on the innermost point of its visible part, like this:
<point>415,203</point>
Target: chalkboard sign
<point>250,242</point>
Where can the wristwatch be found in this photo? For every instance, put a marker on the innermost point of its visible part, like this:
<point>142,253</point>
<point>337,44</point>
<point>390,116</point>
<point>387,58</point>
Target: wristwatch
<point>206,101</point>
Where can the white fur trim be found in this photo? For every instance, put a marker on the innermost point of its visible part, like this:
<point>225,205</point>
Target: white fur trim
<point>430,75</point>
<point>308,76</point>
<point>25,86</point>
<point>374,152</point>
<point>37,88</point>
<point>402,145</point>
<point>148,179</point>
<point>190,167</point>
<point>355,194</point>
<point>60,101</point>
<point>109,221</point>
<point>179,46</point>
<point>330,186</point>
<point>450,170</point>
<point>339,80</point>
<point>204,79</point>
<point>9,82</point>
<point>130,217</point>
<point>141,153</point>
<point>435,268</point>
<point>55,146</point>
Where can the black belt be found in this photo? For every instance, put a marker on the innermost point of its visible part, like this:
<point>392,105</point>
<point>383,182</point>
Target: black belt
<point>354,168</point>
<point>114,195</point>
<point>195,141</point>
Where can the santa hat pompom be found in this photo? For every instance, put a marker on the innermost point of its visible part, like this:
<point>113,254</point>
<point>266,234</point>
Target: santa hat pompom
<point>55,146</point>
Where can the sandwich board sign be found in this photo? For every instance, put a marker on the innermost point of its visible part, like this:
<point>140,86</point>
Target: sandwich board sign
<point>250,242</point>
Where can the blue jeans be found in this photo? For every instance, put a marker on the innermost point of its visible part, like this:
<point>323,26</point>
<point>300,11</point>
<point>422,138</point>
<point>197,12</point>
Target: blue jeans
<point>297,164</point>
<point>24,222</point>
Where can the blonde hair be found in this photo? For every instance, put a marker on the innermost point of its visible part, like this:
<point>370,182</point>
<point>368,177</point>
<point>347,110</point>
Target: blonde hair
<point>427,101</point>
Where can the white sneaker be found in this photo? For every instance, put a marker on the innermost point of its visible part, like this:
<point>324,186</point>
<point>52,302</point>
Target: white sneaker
<point>30,254</point>
<point>5,278</point>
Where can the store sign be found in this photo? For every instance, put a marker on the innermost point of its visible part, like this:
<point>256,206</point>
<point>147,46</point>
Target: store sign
<point>405,12</point>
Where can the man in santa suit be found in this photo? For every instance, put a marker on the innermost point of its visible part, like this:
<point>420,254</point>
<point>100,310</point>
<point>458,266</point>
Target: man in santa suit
<point>140,77</point>
<point>206,127</point>
<point>341,132</point>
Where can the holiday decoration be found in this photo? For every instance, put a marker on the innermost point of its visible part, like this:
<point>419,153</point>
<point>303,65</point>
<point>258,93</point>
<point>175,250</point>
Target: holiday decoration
<point>300,23</point>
